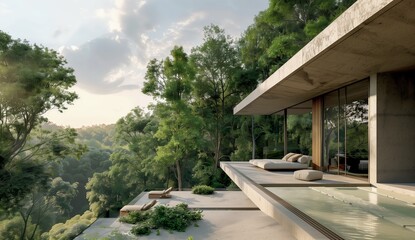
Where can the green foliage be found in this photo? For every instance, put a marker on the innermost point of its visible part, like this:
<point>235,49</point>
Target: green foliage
<point>281,30</point>
<point>299,129</point>
<point>33,80</point>
<point>178,133</point>
<point>142,228</point>
<point>98,136</point>
<point>12,228</point>
<point>136,216</point>
<point>217,89</point>
<point>71,228</point>
<point>203,190</point>
<point>112,189</point>
<point>18,182</point>
<point>169,79</point>
<point>176,218</point>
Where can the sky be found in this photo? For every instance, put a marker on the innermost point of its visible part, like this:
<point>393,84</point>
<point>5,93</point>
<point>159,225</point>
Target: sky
<point>109,43</point>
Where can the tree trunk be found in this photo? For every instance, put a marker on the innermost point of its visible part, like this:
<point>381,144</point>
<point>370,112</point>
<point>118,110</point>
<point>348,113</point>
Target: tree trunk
<point>179,175</point>
<point>25,220</point>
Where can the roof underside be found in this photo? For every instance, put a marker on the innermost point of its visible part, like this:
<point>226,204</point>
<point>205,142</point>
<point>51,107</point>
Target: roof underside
<point>370,37</point>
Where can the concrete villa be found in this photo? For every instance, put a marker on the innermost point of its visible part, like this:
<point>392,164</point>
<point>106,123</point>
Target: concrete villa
<point>358,73</point>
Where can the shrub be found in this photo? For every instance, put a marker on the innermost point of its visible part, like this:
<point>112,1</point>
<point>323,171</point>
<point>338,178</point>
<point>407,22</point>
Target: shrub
<point>141,229</point>
<point>136,217</point>
<point>203,190</point>
<point>176,218</point>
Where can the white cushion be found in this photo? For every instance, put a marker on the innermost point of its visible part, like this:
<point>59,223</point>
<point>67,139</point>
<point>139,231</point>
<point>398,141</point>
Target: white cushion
<point>280,164</point>
<point>294,157</point>
<point>257,161</point>
<point>304,159</point>
<point>308,175</point>
<point>285,158</point>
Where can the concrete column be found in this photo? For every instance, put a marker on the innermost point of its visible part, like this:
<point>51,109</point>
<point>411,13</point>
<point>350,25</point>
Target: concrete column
<point>392,127</point>
<point>372,125</point>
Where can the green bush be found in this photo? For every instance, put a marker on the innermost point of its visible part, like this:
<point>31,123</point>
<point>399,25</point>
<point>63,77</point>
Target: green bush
<point>141,229</point>
<point>71,228</point>
<point>136,217</point>
<point>203,190</point>
<point>176,218</point>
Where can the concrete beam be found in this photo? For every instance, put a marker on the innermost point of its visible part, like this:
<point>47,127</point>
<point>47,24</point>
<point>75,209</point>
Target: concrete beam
<point>371,36</point>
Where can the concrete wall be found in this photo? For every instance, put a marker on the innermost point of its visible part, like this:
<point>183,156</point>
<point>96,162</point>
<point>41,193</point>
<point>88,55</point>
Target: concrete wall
<point>392,127</point>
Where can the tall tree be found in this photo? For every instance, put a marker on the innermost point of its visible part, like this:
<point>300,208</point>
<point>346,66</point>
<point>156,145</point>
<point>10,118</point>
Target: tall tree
<point>170,82</point>
<point>33,80</point>
<point>217,67</point>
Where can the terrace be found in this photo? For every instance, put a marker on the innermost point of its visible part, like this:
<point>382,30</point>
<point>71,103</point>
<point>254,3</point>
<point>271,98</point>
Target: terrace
<point>302,206</point>
<point>226,215</point>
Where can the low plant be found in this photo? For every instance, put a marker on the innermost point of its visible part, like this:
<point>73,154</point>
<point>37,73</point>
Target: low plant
<point>203,190</point>
<point>176,218</point>
<point>136,217</point>
<point>142,228</point>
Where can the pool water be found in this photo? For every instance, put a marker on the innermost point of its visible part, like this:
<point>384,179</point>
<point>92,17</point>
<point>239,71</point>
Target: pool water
<point>353,213</point>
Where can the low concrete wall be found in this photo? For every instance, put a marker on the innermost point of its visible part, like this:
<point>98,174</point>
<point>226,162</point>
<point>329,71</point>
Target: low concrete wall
<point>392,127</point>
<point>297,227</point>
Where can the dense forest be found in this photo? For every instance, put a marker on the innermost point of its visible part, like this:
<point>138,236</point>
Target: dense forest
<point>55,181</point>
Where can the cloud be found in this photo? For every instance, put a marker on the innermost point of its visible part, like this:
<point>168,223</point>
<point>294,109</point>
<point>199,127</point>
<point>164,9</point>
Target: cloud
<point>99,64</point>
<point>140,30</point>
<point>162,24</point>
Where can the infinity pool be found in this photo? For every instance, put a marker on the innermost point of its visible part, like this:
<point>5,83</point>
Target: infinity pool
<point>353,213</point>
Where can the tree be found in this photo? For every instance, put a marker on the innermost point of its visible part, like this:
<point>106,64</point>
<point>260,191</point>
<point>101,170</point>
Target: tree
<point>137,131</point>
<point>170,82</point>
<point>216,87</point>
<point>34,80</point>
<point>40,210</point>
<point>180,129</point>
<point>112,189</point>
<point>284,28</point>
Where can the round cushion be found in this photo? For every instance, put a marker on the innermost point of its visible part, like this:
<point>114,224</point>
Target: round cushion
<point>308,175</point>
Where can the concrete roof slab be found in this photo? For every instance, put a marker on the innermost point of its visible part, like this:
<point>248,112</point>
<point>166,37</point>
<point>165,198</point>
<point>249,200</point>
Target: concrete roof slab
<point>369,37</point>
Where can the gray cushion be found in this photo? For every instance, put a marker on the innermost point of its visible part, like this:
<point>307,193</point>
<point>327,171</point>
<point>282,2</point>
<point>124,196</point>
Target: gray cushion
<point>304,159</point>
<point>308,175</point>
<point>294,157</point>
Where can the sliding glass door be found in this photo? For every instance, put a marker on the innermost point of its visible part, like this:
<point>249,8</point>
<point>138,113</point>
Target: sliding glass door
<point>345,138</point>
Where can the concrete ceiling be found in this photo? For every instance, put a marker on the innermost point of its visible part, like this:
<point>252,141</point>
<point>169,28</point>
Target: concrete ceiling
<point>370,37</point>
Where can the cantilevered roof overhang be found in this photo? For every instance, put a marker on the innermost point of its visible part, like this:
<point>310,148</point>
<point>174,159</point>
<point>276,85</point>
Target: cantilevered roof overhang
<point>370,37</point>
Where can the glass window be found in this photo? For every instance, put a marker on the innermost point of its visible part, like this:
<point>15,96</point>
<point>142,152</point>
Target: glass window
<point>345,142</point>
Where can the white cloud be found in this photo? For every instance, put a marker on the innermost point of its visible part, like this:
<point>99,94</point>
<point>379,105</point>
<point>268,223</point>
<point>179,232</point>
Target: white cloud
<point>109,42</point>
<point>99,64</point>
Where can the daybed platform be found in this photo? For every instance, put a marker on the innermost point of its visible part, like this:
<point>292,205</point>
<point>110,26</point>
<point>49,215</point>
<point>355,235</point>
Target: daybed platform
<point>291,161</point>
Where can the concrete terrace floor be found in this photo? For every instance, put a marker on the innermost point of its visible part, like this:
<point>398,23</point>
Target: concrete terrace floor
<point>226,215</point>
<point>253,181</point>
<point>286,178</point>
